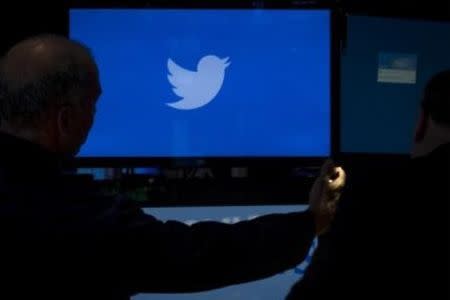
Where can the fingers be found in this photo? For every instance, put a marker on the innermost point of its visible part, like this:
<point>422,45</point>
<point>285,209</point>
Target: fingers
<point>333,175</point>
<point>325,194</point>
<point>337,179</point>
<point>327,167</point>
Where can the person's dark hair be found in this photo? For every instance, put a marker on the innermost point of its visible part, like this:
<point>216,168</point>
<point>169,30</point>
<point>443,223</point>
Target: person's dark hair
<point>42,72</point>
<point>436,100</point>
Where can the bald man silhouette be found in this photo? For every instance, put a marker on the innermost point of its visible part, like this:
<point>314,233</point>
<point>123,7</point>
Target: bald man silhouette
<point>61,239</point>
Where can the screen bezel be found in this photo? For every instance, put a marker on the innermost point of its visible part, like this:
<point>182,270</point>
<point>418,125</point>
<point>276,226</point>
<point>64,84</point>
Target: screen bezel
<point>336,35</point>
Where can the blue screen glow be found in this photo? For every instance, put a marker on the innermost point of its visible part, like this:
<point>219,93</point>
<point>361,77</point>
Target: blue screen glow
<point>209,83</point>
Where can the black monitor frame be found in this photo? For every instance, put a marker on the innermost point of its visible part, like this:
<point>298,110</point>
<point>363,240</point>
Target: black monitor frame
<point>337,32</point>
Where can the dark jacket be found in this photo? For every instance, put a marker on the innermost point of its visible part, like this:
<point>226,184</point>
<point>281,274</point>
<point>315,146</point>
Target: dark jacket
<point>62,240</point>
<point>390,236</point>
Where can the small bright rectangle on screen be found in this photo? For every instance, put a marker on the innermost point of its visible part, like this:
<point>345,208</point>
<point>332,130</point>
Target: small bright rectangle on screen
<point>209,83</point>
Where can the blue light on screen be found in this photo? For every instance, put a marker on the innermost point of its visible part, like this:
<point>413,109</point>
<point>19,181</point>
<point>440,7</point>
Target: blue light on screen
<point>209,83</point>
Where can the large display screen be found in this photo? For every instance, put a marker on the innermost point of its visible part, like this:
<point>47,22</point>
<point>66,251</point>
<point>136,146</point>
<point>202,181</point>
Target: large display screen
<point>209,83</point>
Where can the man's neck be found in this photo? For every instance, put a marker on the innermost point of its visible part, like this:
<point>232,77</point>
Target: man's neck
<point>436,136</point>
<point>24,134</point>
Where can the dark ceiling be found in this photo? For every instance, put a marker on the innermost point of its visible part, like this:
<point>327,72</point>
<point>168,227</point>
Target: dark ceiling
<point>30,18</point>
<point>432,9</point>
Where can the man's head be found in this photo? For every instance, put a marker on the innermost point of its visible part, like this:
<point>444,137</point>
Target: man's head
<point>49,86</point>
<point>433,126</point>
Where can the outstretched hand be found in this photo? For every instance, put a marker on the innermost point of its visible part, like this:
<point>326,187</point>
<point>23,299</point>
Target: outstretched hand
<point>325,194</point>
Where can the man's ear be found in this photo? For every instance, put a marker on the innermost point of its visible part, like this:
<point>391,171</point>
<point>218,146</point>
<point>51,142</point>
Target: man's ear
<point>421,127</point>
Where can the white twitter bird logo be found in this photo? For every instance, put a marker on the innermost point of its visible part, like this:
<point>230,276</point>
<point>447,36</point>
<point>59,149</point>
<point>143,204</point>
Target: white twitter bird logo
<point>197,88</point>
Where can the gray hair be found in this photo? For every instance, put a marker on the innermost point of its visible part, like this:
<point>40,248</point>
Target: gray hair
<point>40,73</point>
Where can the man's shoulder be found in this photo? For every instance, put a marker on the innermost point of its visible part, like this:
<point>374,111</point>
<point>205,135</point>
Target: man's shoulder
<point>63,202</point>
